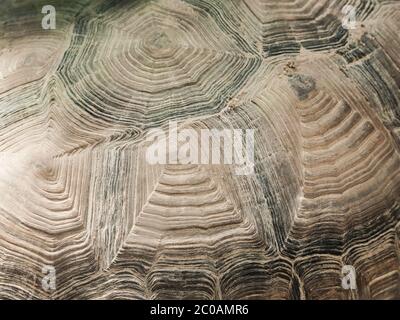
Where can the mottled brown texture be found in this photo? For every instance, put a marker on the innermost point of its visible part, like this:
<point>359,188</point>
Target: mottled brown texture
<point>76,192</point>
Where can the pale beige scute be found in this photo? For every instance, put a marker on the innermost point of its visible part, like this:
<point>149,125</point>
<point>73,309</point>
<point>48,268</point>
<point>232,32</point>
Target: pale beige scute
<point>76,191</point>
